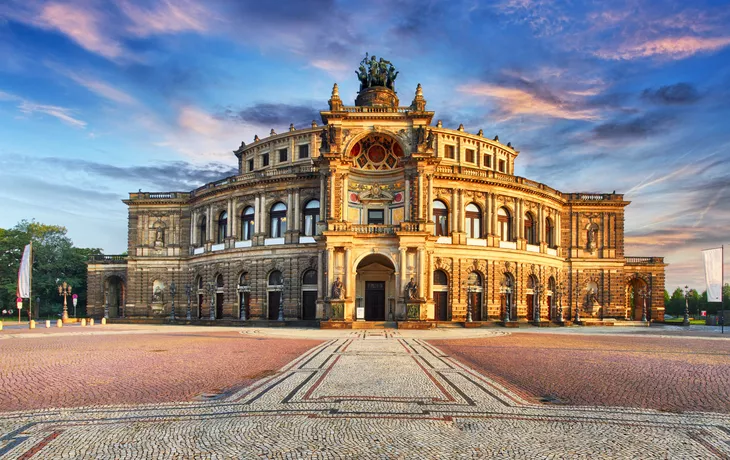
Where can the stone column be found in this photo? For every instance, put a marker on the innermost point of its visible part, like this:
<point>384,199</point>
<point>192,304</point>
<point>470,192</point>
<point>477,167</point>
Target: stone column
<point>289,211</point>
<point>430,198</point>
<point>231,219</point>
<point>331,199</point>
<point>348,273</point>
<point>209,230</point>
<point>322,197</point>
<point>343,213</point>
<point>407,213</point>
<point>297,212</point>
<point>453,226</point>
<point>487,219</point>
<point>257,214</point>
<point>320,276</point>
<point>460,210</point>
<point>330,270</point>
<point>262,213</point>
<point>519,219</point>
<point>193,228</point>
<point>421,271</point>
<point>419,201</point>
<point>403,272</point>
<point>494,217</point>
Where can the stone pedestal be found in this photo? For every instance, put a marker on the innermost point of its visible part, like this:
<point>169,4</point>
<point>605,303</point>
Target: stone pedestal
<point>337,308</point>
<point>415,310</point>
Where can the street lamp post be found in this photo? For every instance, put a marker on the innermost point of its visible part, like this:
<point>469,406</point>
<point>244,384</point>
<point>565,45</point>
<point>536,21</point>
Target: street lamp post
<point>188,294</point>
<point>559,301</point>
<point>280,288</point>
<point>577,311</point>
<point>536,302</point>
<point>106,305</point>
<point>173,291</point>
<point>504,291</point>
<point>75,300</point>
<point>644,293</point>
<point>64,290</point>
<point>469,290</point>
<point>242,290</point>
<point>211,290</point>
<point>686,306</point>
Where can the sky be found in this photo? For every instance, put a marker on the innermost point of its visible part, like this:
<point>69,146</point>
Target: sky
<point>102,98</point>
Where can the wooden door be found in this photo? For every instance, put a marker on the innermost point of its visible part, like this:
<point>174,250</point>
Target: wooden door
<point>200,306</point>
<point>530,307</point>
<point>375,301</point>
<point>274,301</point>
<point>476,306</point>
<point>219,305</point>
<point>441,301</point>
<point>309,304</point>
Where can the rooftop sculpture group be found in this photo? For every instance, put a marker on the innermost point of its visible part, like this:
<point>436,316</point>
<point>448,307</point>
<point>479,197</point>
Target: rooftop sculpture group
<point>376,73</point>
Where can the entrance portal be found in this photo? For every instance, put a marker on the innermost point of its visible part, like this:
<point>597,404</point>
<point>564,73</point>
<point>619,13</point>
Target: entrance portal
<point>374,301</point>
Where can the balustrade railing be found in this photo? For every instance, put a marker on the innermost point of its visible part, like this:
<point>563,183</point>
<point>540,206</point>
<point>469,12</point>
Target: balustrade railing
<point>644,260</point>
<point>103,258</point>
<point>374,229</point>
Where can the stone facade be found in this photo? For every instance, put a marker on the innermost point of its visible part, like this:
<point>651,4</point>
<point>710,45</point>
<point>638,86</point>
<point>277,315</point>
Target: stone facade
<point>375,199</point>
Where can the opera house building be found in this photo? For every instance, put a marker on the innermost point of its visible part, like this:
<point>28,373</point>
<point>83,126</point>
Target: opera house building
<point>377,213</point>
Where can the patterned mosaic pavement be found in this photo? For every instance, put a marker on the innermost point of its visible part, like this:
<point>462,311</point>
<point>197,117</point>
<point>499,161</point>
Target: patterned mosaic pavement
<point>365,395</point>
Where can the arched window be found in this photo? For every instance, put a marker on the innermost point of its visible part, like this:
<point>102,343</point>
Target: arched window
<point>199,283</point>
<point>440,278</point>
<point>440,218</point>
<point>504,220</point>
<point>222,227</point>
<point>530,229</point>
<point>275,278</point>
<point>475,297</point>
<point>549,232</point>
<point>310,277</point>
<point>474,279</point>
<point>203,229</point>
<point>219,281</point>
<point>311,217</point>
<point>243,279</point>
<point>278,220</point>
<point>158,291</point>
<point>247,223</point>
<point>473,221</point>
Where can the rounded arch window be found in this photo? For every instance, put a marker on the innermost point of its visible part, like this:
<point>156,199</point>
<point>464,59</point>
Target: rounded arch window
<point>474,279</point>
<point>376,152</point>
<point>219,281</point>
<point>222,227</point>
<point>199,282</point>
<point>247,223</point>
<point>504,221</point>
<point>440,218</point>
<point>440,278</point>
<point>278,220</point>
<point>311,217</point>
<point>549,232</point>
<point>243,279</point>
<point>202,230</point>
<point>473,221</point>
<point>276,278</point>
<point>530,229</point>
<point>310,277</point>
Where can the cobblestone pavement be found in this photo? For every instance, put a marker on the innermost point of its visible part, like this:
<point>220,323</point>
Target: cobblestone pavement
<point>81,367</point>
<point>366,395</point>
<point>643,372</point>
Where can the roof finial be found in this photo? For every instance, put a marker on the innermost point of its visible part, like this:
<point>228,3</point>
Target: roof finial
<point>419,90</point>
<point>335,91</point>
<point>291,127</point>
<point>439,124</point>
<point>335,102</point>
<point>256,138</point>
<point>272,133</point>
<point>419,103</point>
<point>461,127</point>
<point>314,124</point>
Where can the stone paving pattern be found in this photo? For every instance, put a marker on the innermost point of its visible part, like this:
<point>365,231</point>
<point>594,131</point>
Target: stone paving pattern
<point>80,370</point>
<point>317,406</point>
<point>645,372</point>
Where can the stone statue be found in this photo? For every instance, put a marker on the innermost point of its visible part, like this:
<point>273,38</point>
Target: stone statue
<point>592,238</point>
<point>324,137</point>
<point>373,72</point>
<point>429,139</point>
<point>157,294</point>
<point>337,289</point>
<point>332,134</point>
<point>159,236</point>
<point>420,135</point>
<point>411,290</point>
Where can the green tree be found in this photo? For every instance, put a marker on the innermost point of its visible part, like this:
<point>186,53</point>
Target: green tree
<point>55,260</point>
<point>676,302</point>
<point>666,299</point>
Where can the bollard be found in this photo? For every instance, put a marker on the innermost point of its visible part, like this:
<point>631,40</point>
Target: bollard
<point>103,321</point>
<point>91,321</point>
<point>59,323</point>
<point>1,325</point>
<point>83,322</point>
<point>32,324</point>
<point>48,323</point>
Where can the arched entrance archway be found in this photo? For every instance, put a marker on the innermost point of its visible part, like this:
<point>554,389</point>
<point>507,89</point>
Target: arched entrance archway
<point>440,295</point>
<point>114,294</point>
<point>376,287</point>
<point>634,302</point>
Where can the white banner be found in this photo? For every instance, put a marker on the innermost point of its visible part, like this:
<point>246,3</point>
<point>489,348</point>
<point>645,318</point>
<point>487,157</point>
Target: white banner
<point>24,274</point>
<point>713,274</point>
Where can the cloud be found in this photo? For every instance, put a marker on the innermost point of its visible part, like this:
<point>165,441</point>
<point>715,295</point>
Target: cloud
<point>679,93</point>
<point>514,102</point>
<point>96,86</point>
<point>61,113</point>
<point>166,17</point>
<point>666,47</point>
<point>273,115</point>
<point>83,24</point>
<point>637,127</point>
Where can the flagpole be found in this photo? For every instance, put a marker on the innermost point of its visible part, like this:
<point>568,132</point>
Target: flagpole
<point>30,285</point>
<point>722,297</point>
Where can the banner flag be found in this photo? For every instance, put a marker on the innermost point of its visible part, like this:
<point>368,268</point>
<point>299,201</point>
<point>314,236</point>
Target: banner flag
<point>24,274</point>
<point>713,274</point>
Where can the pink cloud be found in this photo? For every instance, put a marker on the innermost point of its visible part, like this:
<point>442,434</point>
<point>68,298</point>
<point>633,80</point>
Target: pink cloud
<point>61,113</point>
<point>668,47</point>
<point>83,25</point>
<point>514,102</point>
<point>166,17</point>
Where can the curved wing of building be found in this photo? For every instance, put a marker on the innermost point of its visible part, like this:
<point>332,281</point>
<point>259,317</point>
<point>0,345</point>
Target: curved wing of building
<point>376,215</point>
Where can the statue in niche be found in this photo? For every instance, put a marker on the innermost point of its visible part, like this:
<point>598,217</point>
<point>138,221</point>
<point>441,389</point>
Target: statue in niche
<point>420,135</point>
<point>429,139</point>
<point>332,134</point>
<point>159,236</point>
<point>337,289</point>
<point>157,294</point>
<point>592,237</point>
<point>411,290</point>
<point>324,137</point>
